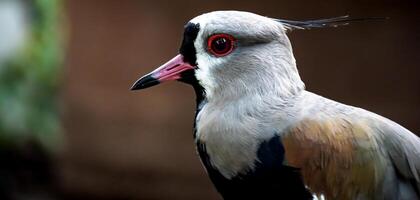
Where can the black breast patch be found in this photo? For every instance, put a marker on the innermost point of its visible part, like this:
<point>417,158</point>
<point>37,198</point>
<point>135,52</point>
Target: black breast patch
<point>271,179</point>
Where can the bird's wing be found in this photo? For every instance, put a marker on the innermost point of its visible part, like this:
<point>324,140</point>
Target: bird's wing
<point>403,148</point>
<point>352,152</point>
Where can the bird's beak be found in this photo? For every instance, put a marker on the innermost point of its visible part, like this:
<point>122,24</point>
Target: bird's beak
<point>169,71</point>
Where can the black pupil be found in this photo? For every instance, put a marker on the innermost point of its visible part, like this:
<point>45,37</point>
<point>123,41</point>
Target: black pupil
<point>220,45</point>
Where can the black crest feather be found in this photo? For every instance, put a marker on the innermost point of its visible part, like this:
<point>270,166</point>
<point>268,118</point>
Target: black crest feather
<point>323,23</point>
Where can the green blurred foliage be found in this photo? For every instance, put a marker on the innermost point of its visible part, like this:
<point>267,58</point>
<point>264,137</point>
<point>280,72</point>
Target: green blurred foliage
<point>29,82</point>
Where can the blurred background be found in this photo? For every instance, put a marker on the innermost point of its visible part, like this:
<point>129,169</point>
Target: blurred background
<point>71,129</point>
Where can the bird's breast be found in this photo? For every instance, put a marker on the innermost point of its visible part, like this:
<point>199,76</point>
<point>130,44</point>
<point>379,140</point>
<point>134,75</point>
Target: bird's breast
<point>244,155</point>
<point>232,135</point>
<point>267,177</point>
<point>231,140</point>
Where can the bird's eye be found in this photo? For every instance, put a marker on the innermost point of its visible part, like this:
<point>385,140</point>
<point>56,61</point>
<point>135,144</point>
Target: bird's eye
<point>220,44</point>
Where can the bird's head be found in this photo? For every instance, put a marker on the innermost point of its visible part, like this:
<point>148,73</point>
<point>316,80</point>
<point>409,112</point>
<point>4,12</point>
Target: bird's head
<point>228,54</point>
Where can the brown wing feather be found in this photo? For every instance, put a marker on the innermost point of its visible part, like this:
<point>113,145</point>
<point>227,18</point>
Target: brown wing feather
<point>338,158</point>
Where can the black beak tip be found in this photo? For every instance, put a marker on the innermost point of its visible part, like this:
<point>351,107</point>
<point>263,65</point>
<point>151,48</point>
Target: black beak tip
<point>145,82</point>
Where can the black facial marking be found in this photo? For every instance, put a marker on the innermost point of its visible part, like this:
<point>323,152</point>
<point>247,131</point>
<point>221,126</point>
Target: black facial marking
<point>187,47</point>
<point>271,179</point>
<point>188,51</point>
<point>189,78</point>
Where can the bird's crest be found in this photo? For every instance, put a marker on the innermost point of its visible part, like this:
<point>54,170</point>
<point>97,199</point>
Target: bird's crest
<point>323,23</point>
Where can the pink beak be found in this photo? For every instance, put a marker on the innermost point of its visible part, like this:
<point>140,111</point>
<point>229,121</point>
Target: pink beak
<point>169,71</point>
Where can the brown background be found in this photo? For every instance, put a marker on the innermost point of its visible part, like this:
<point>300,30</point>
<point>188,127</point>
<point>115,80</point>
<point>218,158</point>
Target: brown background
<point>138,145</point>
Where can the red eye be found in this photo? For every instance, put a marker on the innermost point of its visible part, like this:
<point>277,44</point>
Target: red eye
<point>220,44</point>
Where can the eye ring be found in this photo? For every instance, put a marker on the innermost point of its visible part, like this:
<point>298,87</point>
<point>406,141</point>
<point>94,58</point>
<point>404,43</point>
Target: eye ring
<point>220,44</point>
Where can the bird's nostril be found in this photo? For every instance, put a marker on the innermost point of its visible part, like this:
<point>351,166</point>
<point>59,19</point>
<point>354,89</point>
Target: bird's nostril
<point>169,68</point>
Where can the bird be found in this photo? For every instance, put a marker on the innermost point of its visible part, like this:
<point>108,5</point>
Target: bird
<point>261,135</point>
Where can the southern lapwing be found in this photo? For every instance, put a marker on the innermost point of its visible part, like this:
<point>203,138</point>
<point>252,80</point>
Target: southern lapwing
<point>261,135</point>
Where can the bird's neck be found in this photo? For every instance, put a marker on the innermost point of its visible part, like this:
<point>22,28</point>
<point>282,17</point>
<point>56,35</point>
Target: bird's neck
<point>254,98</point>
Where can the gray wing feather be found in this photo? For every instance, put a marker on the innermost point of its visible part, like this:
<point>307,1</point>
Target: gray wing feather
<point>403,148</point>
